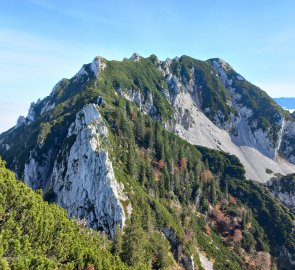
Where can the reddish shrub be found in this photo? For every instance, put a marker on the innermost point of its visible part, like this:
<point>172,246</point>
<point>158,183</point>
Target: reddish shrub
<point>238,236</point>
<point>232,200</point>
<point>161,164</point>
<point>182,163</point>
<point>133,116</point>
<point>207,229</point>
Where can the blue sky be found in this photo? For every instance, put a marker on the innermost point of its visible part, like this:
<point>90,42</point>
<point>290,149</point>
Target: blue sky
<point>42,41</point>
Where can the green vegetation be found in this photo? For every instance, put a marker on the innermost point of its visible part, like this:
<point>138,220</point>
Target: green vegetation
<point>198,198</point>
<point>142,76</point>
<point>285,184</point>
<point>213,95</point>
<point>180,176</point>
<point>36,235</point>
<point>266,112</point>
<point>276,219</point>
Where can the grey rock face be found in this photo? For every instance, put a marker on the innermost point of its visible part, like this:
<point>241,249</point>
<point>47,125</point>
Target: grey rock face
<point>82,179</point>
<point>252,146</point>
<point>21,121</point>
<point>31,114</point>
<point>84,182</point>
<point>145,104</point>
<point>287,144</point>
<point>284,190</point>
<point>91,70</point>
<point>38,171</point>
<point>184,260</point>
<point>135,57</point>
<point>246,132</point>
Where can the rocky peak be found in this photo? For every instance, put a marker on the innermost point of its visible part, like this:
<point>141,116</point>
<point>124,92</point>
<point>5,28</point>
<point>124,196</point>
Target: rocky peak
<point>21,121</point>
<point>92,69</point>
<point>89,116</point>
<point>98,64</point>
<point>59,85</point>
<point>31,113</point>
<point>221,63</point>
<point>135,57</point>
<point>80,178</point>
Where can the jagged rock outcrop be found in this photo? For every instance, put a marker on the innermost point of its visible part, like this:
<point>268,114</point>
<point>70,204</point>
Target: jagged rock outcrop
<point>284,189</point>
<point>287,141</point>
<point>21,121</point>
<point>135,57</point>
<point>205,263</point>
<point>37,171</point>
<point>82,179</point>
<point>84,182</point>
<point>184,260</point>
<point>91,70</point>
<point>247,132</point>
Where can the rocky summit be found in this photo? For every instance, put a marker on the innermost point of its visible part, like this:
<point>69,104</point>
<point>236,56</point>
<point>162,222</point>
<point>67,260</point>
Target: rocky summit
<point>176,161</point>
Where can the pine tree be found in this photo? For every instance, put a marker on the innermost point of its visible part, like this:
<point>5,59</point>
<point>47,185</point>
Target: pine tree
<point>117,242</point>
<point>140,129</point>
<point>162,258</point>
<point>130,161</point>
<point>159,146</point>
<point>142,174</point>
<point>226,191</point>
<point>134,242</point>
<point>150,135</point>
<point>128,109</point>
<point>213,192</point>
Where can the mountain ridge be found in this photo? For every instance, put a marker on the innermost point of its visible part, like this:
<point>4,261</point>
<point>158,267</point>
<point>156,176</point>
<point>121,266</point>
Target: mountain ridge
<point>220,103</point>
<point>112,128</point>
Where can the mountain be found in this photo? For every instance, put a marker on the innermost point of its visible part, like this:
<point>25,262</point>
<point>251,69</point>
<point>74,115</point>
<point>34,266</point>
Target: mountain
<point>205,102</point>
<point>116,146</point>
<point>286,103</point>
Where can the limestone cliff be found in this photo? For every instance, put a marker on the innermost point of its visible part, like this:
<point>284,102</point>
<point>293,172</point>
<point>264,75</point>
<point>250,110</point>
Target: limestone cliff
<point>82,179</point>
<point>284,189</point>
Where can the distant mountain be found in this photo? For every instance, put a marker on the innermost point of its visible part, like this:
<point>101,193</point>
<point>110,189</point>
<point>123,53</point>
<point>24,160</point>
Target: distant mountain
<point>286,103</point>
<point>162,150</point>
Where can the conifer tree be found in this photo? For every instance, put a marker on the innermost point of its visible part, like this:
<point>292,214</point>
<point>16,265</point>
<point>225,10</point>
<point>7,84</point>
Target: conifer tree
<point>213,192</point>
<point>130,161</point>
<point>117,242</point>
<point>142,174</point>
<point>134,242</point>
<point>139,129</point>
<point>162,258</point>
